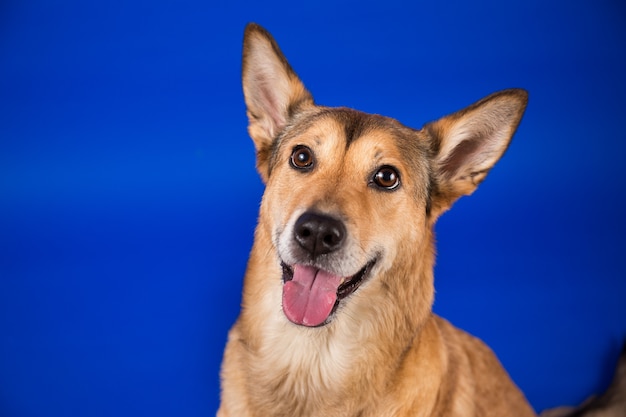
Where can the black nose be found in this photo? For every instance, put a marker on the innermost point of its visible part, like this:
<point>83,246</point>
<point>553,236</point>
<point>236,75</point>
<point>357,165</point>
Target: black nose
<point>319,234</point>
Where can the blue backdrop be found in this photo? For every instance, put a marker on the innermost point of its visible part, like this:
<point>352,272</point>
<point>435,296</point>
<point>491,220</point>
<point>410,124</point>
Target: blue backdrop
<point>128,194</point>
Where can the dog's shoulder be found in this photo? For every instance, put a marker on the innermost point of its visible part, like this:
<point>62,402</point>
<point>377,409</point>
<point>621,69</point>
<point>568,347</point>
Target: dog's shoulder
<point>475,373</point>
<point>234,396</point>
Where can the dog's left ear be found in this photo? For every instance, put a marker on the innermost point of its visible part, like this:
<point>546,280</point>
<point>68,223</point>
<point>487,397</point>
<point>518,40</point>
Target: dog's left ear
<point>272,90</point>
<point>468,143</point>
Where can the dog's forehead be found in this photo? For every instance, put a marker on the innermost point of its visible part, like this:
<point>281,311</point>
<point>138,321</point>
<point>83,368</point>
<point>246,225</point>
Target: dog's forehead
<point>351,126</point>
<point>356,124</point>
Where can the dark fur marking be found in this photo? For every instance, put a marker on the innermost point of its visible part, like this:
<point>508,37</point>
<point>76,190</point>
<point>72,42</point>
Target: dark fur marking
<point>355,124</point>
<point>429,194</point>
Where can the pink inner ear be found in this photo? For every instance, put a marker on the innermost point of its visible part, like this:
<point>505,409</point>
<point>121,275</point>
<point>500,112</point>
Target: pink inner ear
<point>460,156</point>
<point>267,100</point>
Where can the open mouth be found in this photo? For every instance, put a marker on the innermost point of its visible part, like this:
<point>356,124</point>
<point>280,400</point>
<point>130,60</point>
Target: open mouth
<point>311,295</point>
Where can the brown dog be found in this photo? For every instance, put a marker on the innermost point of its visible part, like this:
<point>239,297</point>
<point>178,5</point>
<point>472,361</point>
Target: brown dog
<point>336,317</point>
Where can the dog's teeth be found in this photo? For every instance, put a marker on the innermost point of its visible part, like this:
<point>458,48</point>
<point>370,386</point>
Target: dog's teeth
<point>343,279</point>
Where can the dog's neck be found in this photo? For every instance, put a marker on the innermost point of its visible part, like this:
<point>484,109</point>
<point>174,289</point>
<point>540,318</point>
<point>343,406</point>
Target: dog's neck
<point>301,366</point>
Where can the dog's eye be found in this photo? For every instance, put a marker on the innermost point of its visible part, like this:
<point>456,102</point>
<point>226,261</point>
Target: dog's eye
<point>387,177</point>
<point>302,157</point>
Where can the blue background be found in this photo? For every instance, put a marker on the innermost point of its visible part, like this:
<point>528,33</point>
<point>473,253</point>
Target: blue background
<point>128,194</point>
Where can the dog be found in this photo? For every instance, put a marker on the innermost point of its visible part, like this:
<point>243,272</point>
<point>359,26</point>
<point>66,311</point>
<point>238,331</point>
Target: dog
<point>336,316</point>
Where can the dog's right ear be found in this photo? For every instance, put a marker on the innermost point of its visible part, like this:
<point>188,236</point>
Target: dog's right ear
<point>272,90</point>
<point>468,143</point>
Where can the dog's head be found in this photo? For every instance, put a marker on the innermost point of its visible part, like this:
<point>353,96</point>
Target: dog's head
<point>352,197</point>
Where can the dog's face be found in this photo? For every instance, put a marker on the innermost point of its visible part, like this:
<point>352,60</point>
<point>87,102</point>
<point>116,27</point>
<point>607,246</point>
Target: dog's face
<point>351,197</point>
<point>338,195</point>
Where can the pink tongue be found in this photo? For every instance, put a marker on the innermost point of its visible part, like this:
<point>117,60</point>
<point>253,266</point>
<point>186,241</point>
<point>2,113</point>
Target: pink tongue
<point>310,296</point>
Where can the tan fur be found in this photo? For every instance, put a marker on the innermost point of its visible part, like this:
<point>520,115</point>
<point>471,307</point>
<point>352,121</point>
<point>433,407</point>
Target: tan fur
<point>383,352</point>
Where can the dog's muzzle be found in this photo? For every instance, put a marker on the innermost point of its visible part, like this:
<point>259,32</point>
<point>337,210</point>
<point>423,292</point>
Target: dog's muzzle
<point>311,293</point>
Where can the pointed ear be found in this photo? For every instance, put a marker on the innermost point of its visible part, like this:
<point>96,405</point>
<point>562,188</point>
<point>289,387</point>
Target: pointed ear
<point>468,143</point>
<point>272,90</point>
